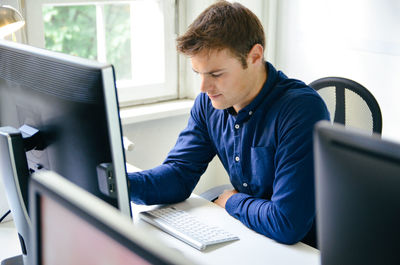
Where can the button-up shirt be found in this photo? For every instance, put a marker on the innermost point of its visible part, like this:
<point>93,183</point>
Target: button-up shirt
<point>266,148</point>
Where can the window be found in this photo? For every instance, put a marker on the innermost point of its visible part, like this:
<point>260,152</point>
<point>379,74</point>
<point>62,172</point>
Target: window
<point>136,36</point>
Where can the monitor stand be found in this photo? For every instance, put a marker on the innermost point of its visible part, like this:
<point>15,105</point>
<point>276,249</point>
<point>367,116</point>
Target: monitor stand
<point>17,260</point>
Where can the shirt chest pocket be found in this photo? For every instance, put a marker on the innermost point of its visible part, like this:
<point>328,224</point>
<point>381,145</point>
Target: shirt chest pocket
<point>262,162</point>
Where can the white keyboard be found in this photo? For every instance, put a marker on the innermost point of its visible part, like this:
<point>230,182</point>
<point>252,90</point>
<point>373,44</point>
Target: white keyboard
<point>186,227</point>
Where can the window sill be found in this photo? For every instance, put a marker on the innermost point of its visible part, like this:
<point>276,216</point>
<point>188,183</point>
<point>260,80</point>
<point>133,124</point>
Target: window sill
<point>135,114</point>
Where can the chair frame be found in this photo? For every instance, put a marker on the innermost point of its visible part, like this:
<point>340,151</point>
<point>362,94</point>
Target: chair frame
<point>340,85</point>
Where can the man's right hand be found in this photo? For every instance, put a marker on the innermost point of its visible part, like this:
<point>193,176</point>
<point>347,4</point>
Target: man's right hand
<point>223,198</point>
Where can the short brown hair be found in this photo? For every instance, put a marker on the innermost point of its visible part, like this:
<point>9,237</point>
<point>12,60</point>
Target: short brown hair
<point>223,25</point>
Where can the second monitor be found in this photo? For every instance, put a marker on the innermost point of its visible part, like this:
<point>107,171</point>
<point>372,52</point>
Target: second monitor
<point>357,196</point>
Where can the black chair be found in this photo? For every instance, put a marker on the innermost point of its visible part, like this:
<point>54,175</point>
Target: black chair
<point>350,103</point>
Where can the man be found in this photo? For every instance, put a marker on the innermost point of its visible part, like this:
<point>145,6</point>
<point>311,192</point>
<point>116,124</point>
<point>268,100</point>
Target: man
<point>254,118</point>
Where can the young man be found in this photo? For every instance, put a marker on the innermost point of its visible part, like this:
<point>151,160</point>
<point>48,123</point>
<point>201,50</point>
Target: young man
<point>258,122</point>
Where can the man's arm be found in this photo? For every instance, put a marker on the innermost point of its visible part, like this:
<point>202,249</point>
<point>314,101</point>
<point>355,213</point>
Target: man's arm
<point>289,214</point>
<point>175,179</point>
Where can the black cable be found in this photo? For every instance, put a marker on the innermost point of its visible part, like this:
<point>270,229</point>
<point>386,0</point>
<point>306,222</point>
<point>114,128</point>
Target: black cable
<point>5,215</point>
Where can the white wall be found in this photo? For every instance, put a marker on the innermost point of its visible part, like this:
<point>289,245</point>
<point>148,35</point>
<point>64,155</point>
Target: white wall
<point>3,201</point>
<point>357,39</point>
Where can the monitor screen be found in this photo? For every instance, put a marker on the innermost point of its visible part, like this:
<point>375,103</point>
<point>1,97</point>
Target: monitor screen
<point>76,235</point>
<point>72,103</point>
<point>72,226</point>
<point>357,196</point>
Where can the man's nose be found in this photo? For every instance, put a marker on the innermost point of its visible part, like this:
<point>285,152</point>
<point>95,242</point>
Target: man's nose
<point>205,83</point>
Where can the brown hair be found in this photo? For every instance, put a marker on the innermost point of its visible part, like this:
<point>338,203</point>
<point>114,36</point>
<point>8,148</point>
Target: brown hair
<point>223,25</point>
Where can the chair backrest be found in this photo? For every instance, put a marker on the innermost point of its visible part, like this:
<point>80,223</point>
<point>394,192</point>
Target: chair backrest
<point>350,103</point>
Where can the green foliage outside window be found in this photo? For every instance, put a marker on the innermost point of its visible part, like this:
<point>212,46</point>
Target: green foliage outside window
<point>118,41</point>
<point>72,30</point>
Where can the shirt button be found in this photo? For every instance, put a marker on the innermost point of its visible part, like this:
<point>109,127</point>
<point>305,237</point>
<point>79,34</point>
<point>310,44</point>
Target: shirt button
<point>245,185</point>
<point>237,126</point>
<point>237,159</point>
<point>250,112</point>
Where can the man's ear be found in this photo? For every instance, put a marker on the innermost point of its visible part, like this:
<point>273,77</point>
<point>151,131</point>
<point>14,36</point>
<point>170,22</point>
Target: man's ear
<point>256,54</point>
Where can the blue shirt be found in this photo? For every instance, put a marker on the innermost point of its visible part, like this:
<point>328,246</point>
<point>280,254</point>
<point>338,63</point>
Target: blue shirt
<point>266,149</point>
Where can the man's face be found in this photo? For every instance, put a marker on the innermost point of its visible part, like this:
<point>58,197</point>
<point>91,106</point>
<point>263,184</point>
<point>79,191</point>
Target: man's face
<point>224,80</point>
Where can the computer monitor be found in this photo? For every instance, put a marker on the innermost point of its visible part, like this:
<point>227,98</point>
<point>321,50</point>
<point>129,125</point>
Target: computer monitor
<point>357,196</point>
<point>58,112</point>
<point>71,226</point>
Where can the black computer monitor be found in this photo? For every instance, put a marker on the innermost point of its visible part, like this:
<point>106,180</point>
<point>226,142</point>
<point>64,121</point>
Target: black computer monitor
<point>357,196</point>
<point>71,226</point>
<point>58,112</point>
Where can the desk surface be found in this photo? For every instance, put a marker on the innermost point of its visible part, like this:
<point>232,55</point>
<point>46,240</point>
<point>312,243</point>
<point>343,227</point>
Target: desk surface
<point>9,243</point>
<point>252,248</point>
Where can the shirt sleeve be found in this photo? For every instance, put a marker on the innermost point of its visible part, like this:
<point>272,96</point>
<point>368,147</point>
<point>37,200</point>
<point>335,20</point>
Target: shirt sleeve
<point>289,214</point>
<point>175,179</point>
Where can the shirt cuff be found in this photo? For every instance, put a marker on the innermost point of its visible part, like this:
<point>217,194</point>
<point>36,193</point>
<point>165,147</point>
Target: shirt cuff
<point>232,205</point>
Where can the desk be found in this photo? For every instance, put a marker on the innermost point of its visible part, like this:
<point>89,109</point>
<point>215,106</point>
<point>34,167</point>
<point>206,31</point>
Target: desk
<point>9,243</point>
<point>252,248</point>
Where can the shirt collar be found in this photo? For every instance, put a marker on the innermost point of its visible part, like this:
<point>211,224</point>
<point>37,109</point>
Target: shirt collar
<point>245,113</point>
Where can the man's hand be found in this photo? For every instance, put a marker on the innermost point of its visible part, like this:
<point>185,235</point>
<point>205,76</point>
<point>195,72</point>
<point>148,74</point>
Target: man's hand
<point>221,200</point>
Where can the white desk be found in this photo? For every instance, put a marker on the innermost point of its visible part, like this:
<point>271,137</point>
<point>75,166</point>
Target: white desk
<point>9,243</point>
<point>252,248</point>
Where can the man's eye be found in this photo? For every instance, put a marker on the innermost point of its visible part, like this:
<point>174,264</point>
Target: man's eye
<point>216,75</point>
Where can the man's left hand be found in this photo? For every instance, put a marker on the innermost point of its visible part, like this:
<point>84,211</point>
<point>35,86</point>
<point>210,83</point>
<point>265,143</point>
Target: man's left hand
<point>223,198</point>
